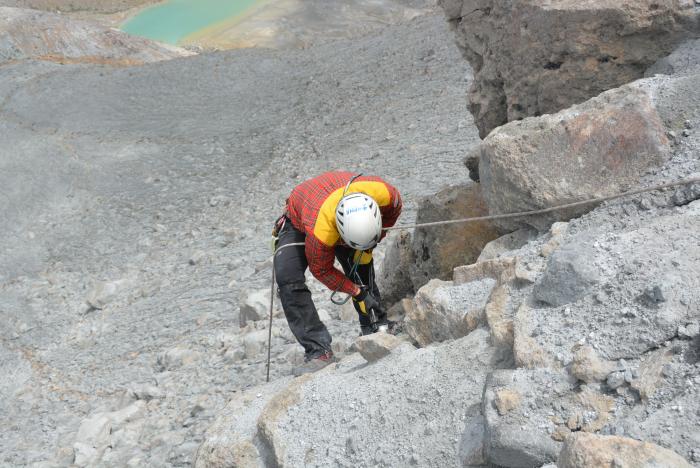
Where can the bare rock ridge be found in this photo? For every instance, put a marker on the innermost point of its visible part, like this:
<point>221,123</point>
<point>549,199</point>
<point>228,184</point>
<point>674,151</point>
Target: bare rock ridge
<point>532,57</point>
<point>66,40</point>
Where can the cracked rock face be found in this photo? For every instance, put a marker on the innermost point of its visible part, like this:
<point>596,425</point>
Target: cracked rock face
<point>582,450</point>
<point>597,148</point>
<point>532,58</point>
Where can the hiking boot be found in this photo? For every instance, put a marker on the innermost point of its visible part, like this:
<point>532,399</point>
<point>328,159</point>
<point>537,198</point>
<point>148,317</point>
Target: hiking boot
<point>314,364</point>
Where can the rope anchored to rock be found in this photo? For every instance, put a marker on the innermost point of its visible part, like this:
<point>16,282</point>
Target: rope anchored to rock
<point>688,181</point>
<point>520,214</point>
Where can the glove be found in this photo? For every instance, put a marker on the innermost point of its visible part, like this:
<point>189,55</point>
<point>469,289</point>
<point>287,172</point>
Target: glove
<point>366,301</point>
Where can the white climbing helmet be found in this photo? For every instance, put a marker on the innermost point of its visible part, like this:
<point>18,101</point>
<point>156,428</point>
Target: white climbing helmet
<point>359,221</point>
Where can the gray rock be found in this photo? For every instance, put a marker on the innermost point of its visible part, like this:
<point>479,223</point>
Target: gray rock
<point>146,392</point>
<point>571,273</point>
<point>426,394</point>
<point>376,346</point>
<point>519,437</point>
<point>683,58</point>
<point>689,331</point>
<point>255,343</point>
<point>584,450</point>
<point>446,311</point>
<point>572,155</point>
<point>438,250</point>
<point>393,278</point>
<point>254,305</point>
<point>511,241</point>
<point>104,292</point>
<point>615,379</point>
<point>197,257</point>
<point>175,358</point>
<point>532,58</point>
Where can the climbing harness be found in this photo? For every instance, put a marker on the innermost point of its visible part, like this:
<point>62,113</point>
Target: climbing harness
<point>353,271</point>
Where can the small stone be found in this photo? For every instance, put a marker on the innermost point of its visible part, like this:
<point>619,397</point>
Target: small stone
<point>573,423</point>
<point>377,345</point>
<point>103,293</point>
<point>615,379</point>
<point>254,305</point>
<point>560,433</point>
<point>146,392</point>
<point>686,133</point>
<point>506,400</point>
<point>695,453</point>
<point>689,331</point>
<point>196,257</point>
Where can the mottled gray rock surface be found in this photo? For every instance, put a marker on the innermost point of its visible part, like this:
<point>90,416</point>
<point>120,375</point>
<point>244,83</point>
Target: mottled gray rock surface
<point>597,148</point>
<point>532,58</point>
<point>339,415</point>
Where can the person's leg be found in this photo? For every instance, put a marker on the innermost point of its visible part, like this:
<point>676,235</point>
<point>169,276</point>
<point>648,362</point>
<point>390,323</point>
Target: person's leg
<point>302,317</point>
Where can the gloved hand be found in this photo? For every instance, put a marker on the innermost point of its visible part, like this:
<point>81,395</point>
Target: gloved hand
<point>367,301</point>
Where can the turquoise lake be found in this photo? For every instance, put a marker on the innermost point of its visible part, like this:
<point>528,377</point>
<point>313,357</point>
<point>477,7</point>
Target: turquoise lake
<point>176,19</point>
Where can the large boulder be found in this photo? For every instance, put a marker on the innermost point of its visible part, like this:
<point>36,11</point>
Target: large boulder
<point>444,310</point>
<point>582,450</point>
<point>529,412</point>
<point>648,281</point>
<point>439,249</point>
<point>418,407</point>
<point>26,34</point>
<point>532,57</point>
<point>230,440</point>
<point>598,148</point>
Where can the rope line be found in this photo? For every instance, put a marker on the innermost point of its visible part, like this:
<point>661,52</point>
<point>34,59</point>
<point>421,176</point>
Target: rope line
<point>691,180</point>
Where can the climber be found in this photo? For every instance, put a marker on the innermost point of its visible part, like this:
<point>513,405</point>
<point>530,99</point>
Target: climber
<point>337,215</point>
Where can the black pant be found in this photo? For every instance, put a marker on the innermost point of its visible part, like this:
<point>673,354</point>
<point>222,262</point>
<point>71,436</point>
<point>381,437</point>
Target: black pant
<point>299,308</point>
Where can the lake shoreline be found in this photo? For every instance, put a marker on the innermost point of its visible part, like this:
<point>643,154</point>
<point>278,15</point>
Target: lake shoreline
<point>176,23</point>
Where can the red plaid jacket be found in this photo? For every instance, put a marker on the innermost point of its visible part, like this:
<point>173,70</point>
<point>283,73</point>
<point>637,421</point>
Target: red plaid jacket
<point>311,208</point>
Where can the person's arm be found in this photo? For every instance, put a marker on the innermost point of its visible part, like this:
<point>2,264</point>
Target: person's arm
<point>321,258</point>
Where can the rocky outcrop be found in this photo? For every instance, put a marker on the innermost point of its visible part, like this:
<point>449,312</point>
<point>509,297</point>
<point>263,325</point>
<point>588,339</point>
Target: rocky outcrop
<point>681,60</point>
<point>230,440</point>
<point>427,402</point>
<point>532,58</point>
<point>439,249</point>
<point>583,450</point>
<point>444,310</point>
<point>597,148</point>
<point>32,34</point>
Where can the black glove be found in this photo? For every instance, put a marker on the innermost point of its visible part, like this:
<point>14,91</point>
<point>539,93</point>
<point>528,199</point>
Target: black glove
<point>367,302</point>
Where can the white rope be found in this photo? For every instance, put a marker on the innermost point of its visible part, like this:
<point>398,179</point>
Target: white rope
<point>547,210</point>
